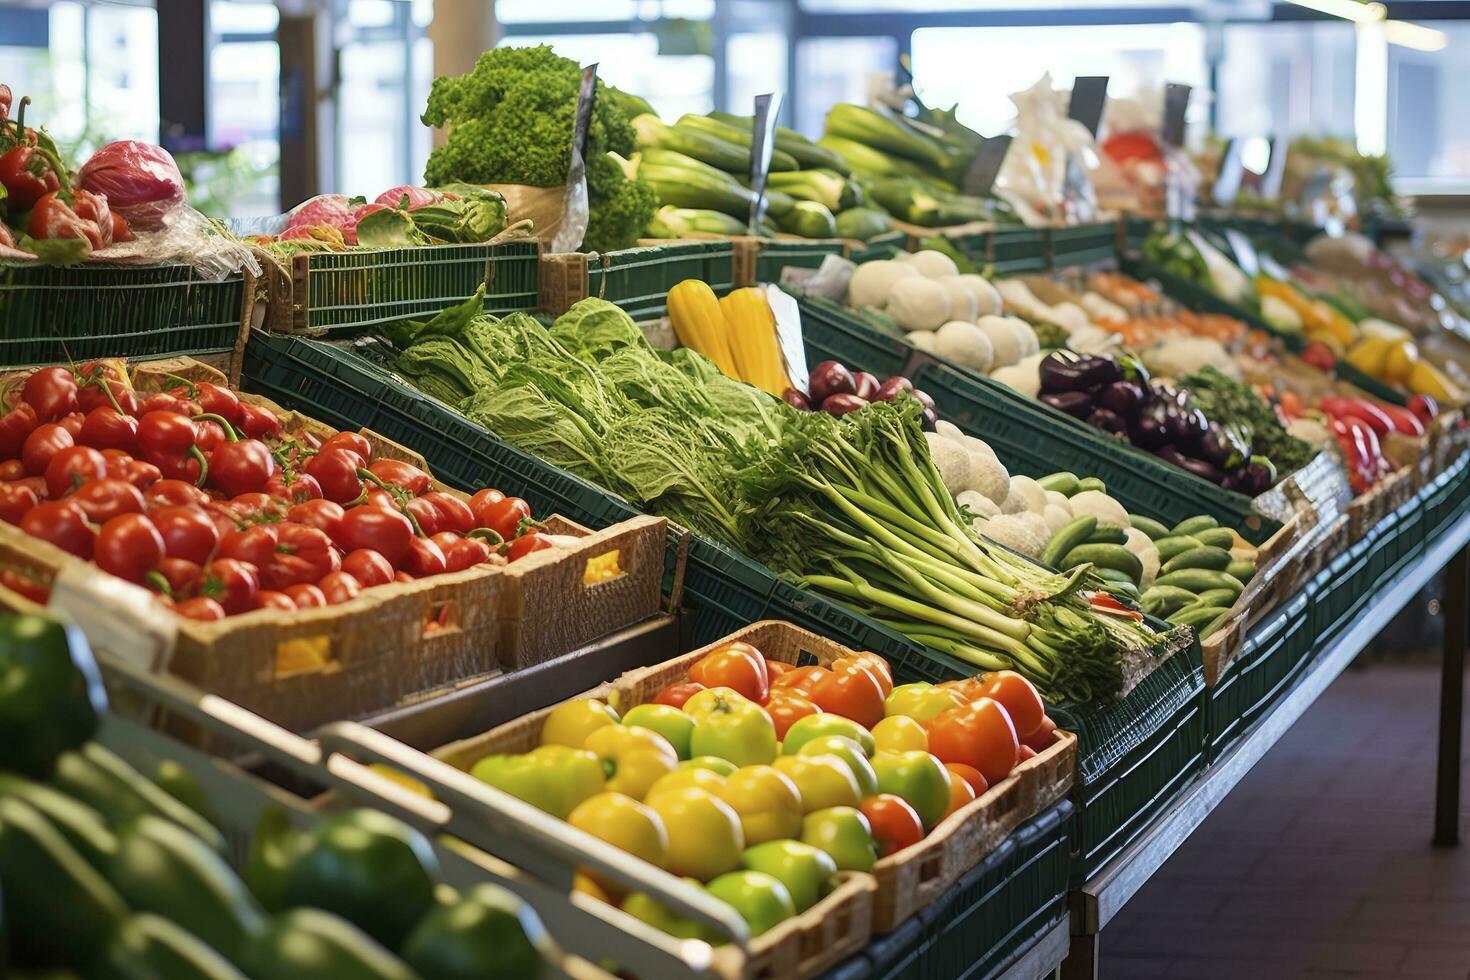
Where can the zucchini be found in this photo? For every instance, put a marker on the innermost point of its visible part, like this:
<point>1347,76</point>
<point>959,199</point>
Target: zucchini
<point>1202,557</point>
<point>1217,537</point>
<point>1122,590</point>
<point>1216,597</point>
<point>1112,576</point>
<point>1242,570</point>
<point>1149,526</point>
<point>687,189</point>
<point>101,778</point>
<point>652,132</point>
<point>1175,545</point>
<point>738,136</point>
<point>150,947</point>
<point>1193,525</point>
<point>1073,533</point>
<point>82,826</point>
<point>1063,483</point>
<point>1212,625</point>
<point>809,220</point>
<point>862,224</point>
<point>1091,483</point>
<point>1161,600</point>
<point>1113,556</point>
<point>1108,534</point>
<point>1196,616</point>
<point>1199,580</point>
<point>804,151</point>
<point>311,944</point>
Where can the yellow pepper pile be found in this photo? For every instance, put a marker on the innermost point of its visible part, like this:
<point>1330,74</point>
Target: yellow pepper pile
<point>1321,321</point>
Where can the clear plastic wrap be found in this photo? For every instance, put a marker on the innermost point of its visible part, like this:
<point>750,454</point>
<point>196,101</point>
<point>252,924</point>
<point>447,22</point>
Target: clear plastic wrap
<point>1036,179</point>
<point>141,182</point>
<point>189,239</point>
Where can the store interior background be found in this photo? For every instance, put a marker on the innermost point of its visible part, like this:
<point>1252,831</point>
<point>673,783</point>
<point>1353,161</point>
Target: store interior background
<point>267,103</point>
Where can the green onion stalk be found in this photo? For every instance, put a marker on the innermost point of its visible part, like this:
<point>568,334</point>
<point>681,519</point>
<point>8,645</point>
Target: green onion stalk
<point>855,510</point>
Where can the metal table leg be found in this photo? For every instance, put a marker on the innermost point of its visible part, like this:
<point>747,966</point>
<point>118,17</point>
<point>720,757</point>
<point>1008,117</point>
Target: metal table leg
<point>1451,700</point>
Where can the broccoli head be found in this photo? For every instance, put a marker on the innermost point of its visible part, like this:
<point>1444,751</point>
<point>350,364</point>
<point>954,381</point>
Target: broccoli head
<point>620,208</point>
<point>510,120</point>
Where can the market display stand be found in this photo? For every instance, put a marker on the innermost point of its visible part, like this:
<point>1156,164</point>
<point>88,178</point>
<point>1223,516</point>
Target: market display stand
<point>1104,895</point>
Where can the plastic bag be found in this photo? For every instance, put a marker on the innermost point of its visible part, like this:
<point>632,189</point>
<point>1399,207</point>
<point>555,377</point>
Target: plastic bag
<point>1139,172</point>
<point>141,182</point>
<point>1035,178</point>
<point>189,239</point>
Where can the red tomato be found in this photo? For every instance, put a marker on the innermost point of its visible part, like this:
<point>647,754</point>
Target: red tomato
<point>71,468</point>
<point>335,470</point>
<point>320,514</point>
<point>339,587</point>
<point>92,391</point>
<point>15,500</point>
<point>231,583</point>
<point>165,433</point>
<point>44,442</point>
<point>162,401</point>
<point>105,428</point>
<point>52,392</point>
<point>738,666</point>
<point>181,576</point>
<point>1018,696</point>
<point>401,577</point>
<point>385,531</point>
<point>25,586</point>
<point>102,500</point>
<point>775,668</point>
<point>270,599</point>
<point>1425,407</point>
<point>867,666</point>
<point>425,515</point>
<point>676,694</point>
<point>255,544</point>
<point>978,734</point>
<point>504,516</point>
<point>400,474</point>
<point>528,543</point>
<point>241,467</point>
<point>173,493</point>
<point>258,422</point>
<point>1027,752</point>
<point>1044,735</point>
<point>128,546</point>
<point>306,596</point>
<point>218,401</point>
<point>209,435</point>
<point>294,488</point>
<point>368,567</point>
<point>422,559</point>
<point>258,508</point>
<point>786,707</point>
<point>969,774</point>
<point>12,469</point>
<point>121,466</point>
<point>970,688</point>
<point>15,425</point>
<point>895,824</point>
<point>481,500</point>
<point>72,423</point>
<point>454,513</point>
<point>201,608</point>
<point>302,555</point>
<point>851,692</point>
<point>63,525</point>
<point>800,679</point>
<point>462,552</point>
<point>352,441</point>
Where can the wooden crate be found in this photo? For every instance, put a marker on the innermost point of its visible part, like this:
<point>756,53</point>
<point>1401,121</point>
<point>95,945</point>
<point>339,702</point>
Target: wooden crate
<point>393,643</point>
<point>1381,499</point>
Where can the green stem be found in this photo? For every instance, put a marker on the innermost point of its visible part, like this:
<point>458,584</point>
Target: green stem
<point>230,434</point>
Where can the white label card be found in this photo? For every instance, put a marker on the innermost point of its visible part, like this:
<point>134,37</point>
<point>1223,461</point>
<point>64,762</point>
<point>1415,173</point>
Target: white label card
<point>788,332</point>
<point>117,617</point>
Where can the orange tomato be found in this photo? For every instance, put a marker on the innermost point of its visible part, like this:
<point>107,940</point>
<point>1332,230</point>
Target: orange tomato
<point>894,822</point>
<point>799,679</point>
<point>978,734</point>
<point>785,707</point>
<point>969,774</point>
<point>1044,735</point>
<point>851,692</point>
<point>775,668</point>
<point>738,666</point>
<point>879,668</point>
<point>676,694</point>
<point>970,688</point>
<point>960,792</point>
<point>1018,696</point>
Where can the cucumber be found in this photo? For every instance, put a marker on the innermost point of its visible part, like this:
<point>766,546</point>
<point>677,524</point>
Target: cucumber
<point>1063,483</point>
<point>82,826</point>
<point>1217,537</point>
<point>1122,590</point>
<point>1216,597</point>
<point>1199,580</point>
<point>1202,557</point>
<point>1161,600</point>
<point>1194,525</point>
<point>104,781</point>
<point>1072,534</point>
<point>1113,556</point>
<point>1108,534</point>
<point>1149,526</point>
<point>1112,576</point>
<point>1242,570</point>
<point>1175,545</point>
<point>1213,625</point>
<point>1091,483</point>
<point>1196,616</point>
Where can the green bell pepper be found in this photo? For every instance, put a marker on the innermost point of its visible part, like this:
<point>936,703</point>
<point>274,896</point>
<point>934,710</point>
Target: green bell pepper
<point>488,934</point>
<point>273,850</point>
<point>149,947</point>
<point>309,944</point>
<point>50,692</point>
<point>554,778</point>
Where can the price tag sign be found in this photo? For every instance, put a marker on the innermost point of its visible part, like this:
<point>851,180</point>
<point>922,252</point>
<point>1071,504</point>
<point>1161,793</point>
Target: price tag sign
<point>788,333</point>
<point>117,617</point>
<point>1275,169</point>
<point>985,165</point>
<point>1232,172</point>
<point>1245,252</point>
<point>573,227</point>
<point>1176,103</point>
<point>1089,93</point>
<point>763,141</point>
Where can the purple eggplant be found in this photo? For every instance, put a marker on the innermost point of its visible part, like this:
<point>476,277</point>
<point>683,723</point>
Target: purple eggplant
<point>1067,371</point>
<point>830,378</point>
<point>1198,467</point>
<point>865,385</point>
<point>1176,425</point>
<point>1133,370</point>
<point>928,421</point>
<point>1108,421</point>
<point>1077,404</point>
<point>796,399</point>
<point>1147,428</point>
<point>889,389</point>
<point>1214,446</point>
<point>1256,476</point>
<point>1123,397</point>
<point>842,403</point>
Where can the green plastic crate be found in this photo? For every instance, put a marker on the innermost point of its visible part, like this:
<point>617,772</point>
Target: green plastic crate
<point>51,315</point>
<point>777,254</point>
<point>990,917</point>
<point>1269,661</point>
<point>1016,251</point>
<point>831,331</point>
<point>1084,244</point>
<point>1134,757</point>
<point>639,279</point>
<point>882,247</point>
<point>1135,232</point>
<point>338,294</point>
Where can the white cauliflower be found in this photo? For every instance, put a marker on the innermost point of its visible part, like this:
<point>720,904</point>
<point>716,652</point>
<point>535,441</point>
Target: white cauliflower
<point>979,504</point>
<point>1100,505</point>
<point>1025,336</point>
<point>1143,548</point>
<point>1029,496</point>
<point>952,461</point>
<point>1180,357</point>
<point>1055,499</point>
<point>1056,518</point>
<point>949,430</point>
<point>1069,315</point>
<point>965,344</point>
<point>1037,524</point>
<point>933,264</point>
<point>962,302</point>
<point>1024,378</point>
<point>924,340</point>
<point>1004,339</point>
<point>1014,533</point>
<point>987,299</point>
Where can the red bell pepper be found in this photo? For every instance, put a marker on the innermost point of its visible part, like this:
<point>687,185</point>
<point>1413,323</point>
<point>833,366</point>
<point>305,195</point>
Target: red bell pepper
<point>1360,409</point>
<point>1425,407</point>
<point>1404,421</point>
<point>53,218</point>
<point>93,207</point>
<point>28,174</point>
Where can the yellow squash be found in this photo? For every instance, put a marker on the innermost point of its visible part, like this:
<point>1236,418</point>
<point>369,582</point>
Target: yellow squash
<point>700,325</point>
<point>753,341</point>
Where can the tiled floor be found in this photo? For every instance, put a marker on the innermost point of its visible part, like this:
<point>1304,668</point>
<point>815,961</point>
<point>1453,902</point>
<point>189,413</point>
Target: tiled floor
<point>1319,863</point>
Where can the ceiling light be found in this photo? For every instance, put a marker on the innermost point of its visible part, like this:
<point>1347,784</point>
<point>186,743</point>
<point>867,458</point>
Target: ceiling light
<point>1362,13</point>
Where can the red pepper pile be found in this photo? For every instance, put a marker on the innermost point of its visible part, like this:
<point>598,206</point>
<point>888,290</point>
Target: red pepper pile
<point>207,501</point>
<point>1359,425</point>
